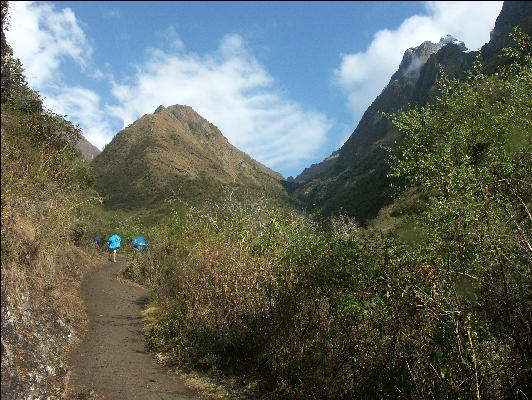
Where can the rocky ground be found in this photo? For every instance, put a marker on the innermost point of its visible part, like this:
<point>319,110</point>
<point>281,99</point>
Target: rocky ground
<point>33,346</point>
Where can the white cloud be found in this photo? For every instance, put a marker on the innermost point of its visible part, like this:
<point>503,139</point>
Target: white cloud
<point>83,106</point>
<point>228,87</point>
<point>363,75</point>
<point>234,92</point>
<point>171,36</point>
<point>42,38</point>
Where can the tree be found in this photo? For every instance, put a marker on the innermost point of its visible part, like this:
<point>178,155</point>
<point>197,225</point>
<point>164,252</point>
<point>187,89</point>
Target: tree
<point>5,53</point>
<point>470,152</point>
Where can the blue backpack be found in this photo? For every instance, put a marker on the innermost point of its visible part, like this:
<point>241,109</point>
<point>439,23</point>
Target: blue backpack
<point>114,242</point>
<point>140,243</point>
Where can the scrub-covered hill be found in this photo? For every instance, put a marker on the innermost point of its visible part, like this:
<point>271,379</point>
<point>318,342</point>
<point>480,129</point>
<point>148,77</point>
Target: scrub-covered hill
<point>174,152</point>
<point>47,203</point>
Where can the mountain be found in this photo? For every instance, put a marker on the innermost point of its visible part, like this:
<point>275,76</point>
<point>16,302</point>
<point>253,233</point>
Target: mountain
<point>87,149</point>
<point>176,152</point>
<point>318,168</point>
<point>355,180</point>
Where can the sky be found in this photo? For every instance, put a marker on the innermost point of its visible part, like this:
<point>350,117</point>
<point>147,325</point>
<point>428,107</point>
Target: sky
<point>285,82</point>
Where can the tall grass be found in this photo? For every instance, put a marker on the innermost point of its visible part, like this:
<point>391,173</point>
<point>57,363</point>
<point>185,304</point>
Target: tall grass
<point>46,204</point>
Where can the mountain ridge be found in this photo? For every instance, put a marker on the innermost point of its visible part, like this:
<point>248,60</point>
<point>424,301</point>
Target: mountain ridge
<point>87,149</point>
<point>356,180</point>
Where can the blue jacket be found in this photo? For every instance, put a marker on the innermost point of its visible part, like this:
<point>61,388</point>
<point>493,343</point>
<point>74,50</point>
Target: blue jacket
<point>140,243</point>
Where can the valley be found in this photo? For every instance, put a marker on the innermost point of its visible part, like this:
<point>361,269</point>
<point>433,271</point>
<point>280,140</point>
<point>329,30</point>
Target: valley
<point>399,267</point>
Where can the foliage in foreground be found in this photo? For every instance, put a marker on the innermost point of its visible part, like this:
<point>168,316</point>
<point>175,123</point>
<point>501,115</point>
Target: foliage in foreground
<point>437,307</point>
<point>471,153</point>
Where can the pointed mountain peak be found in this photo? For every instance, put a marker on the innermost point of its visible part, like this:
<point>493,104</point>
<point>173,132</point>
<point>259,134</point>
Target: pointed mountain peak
<point>188,116</point>
<point>159,109</point>
<point>184,113</point>
<point>415,57</point>
<point>175,150</point>
<point>447,39</point>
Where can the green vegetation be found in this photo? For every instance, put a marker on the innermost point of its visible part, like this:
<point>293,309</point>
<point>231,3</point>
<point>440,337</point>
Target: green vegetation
<point>436,306</point>
<point>47,200</point>
<point>471,154</point>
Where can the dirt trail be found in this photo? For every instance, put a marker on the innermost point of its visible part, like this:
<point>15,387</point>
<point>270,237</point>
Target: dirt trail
<point>112,360</point>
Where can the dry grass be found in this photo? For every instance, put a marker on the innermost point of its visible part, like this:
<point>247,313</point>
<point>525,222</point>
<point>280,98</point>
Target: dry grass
<point>46,209</point>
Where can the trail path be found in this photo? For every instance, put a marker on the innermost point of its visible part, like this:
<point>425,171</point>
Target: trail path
<point>112,360</point>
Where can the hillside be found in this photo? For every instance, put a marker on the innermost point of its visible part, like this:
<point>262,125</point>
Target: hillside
<point>175,152</point>
<point>48,209</point>
<point>268,301</point>
<point>356,181</point>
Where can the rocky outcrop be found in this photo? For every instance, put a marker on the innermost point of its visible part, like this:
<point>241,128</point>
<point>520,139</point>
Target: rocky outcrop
<point>33,349</point>
<point>416,57</point>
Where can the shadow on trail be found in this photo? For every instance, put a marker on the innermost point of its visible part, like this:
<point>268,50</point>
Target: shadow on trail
<point>141,301</point>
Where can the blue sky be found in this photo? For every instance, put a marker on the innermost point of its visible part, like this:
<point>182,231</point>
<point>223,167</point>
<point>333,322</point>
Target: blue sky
<point>286,82</point>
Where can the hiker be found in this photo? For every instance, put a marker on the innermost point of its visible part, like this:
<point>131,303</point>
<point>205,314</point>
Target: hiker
<point>114,245</point>
<point>97,242</point>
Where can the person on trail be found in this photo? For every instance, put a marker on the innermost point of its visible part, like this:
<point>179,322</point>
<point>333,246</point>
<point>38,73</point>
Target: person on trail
<point>97,242</point>
<point>114,245</point>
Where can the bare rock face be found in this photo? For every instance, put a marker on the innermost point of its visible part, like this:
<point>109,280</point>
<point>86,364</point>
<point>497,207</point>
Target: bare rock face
<point>33,350</point>
<point>416,57</point>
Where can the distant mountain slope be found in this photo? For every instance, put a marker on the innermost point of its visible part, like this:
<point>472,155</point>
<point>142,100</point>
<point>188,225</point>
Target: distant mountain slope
<point>355,181</point>
<point>87,149</point>
<point>316,169</point>
<point>175,150</point>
